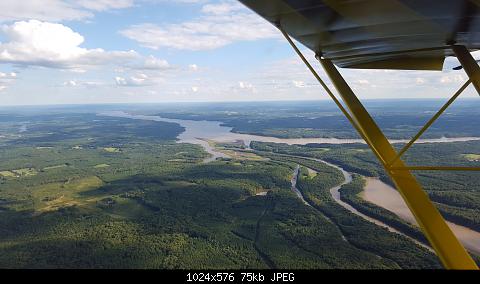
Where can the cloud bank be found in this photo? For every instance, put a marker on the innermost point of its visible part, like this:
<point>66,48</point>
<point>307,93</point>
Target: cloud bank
<point>219,25</point>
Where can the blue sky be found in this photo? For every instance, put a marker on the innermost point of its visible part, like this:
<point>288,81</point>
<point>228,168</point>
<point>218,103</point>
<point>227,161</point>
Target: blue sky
<point>123,51</point>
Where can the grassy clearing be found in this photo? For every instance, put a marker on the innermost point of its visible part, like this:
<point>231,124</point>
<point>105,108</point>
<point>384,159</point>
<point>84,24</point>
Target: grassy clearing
<point>235,150</point>
<point>99,166</point>
<point>53,196</point>
<point>241,155</point>
<point>112,149</point>
<point>311,173</point>
<point>472,157</point>
<point>55,167</point>
<point>24,172</point>
<point>7,174</point>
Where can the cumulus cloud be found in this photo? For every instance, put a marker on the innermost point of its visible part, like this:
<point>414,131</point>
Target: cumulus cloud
<point>8,76</point>
<point>153,63</point>
<point>134,81</point>
<point>420,80</point>
<point>193,67</point>
<point>6,79</point>
<point>219,25</point>
<point>57,10</point>
<point>52,45</point>
<point>452,78</point>
<point>70,83</point>
<point>37,43</point>
<point>247,86</point>
<point>298,84</point>
<point>82,83</point>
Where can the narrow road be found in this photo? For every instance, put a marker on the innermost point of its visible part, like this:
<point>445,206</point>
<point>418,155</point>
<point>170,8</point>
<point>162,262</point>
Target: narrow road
<point>266,259</point>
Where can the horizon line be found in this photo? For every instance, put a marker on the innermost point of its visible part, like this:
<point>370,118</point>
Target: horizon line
<point>220,102</point>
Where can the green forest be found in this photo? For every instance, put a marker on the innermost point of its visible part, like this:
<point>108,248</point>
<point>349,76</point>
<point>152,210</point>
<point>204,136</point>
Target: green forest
<point>83,191</point>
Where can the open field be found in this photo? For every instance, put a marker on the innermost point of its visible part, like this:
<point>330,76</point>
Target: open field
<point>472,157</point>
<point>19,173</point>
<point>112,149</point>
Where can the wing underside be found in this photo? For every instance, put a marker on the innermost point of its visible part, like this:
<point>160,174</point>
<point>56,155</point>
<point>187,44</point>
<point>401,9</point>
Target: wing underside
<point>377,34</point>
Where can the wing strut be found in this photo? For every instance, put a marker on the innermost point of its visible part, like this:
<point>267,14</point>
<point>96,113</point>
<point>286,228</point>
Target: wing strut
<point>469,64</point>
<point>450,251</point>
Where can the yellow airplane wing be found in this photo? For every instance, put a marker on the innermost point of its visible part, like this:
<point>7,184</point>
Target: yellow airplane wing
<point>387,34</point>
<point>378,34</point>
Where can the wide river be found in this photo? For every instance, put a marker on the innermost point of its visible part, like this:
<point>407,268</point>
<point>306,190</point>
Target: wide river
<point>375,191</point>
<point>197,132</point>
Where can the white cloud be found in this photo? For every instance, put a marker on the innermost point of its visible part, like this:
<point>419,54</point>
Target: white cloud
<point>57,10</point>
<point>193,67</point>
<point>134,81</point>
<point>84,84</point>
<point>6,79</point>
<point>247,86</point>
<point>70,83</point>
<point>219,25</point>
<point>153,63</point>
<point>222,8</point>
<point>363,82</point>
<point>36,43</point>
<point>298,84</point>
<point>102,5</point>
<point>176,1</point>
<point>121,81</point>
<point>46,10</point>
<point>452,78</point>
<point>420,80</point>
<point>194,89</point>
<point>10,75</point>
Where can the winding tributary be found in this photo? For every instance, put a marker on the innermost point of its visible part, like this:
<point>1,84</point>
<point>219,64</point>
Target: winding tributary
<point>335,192</point>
